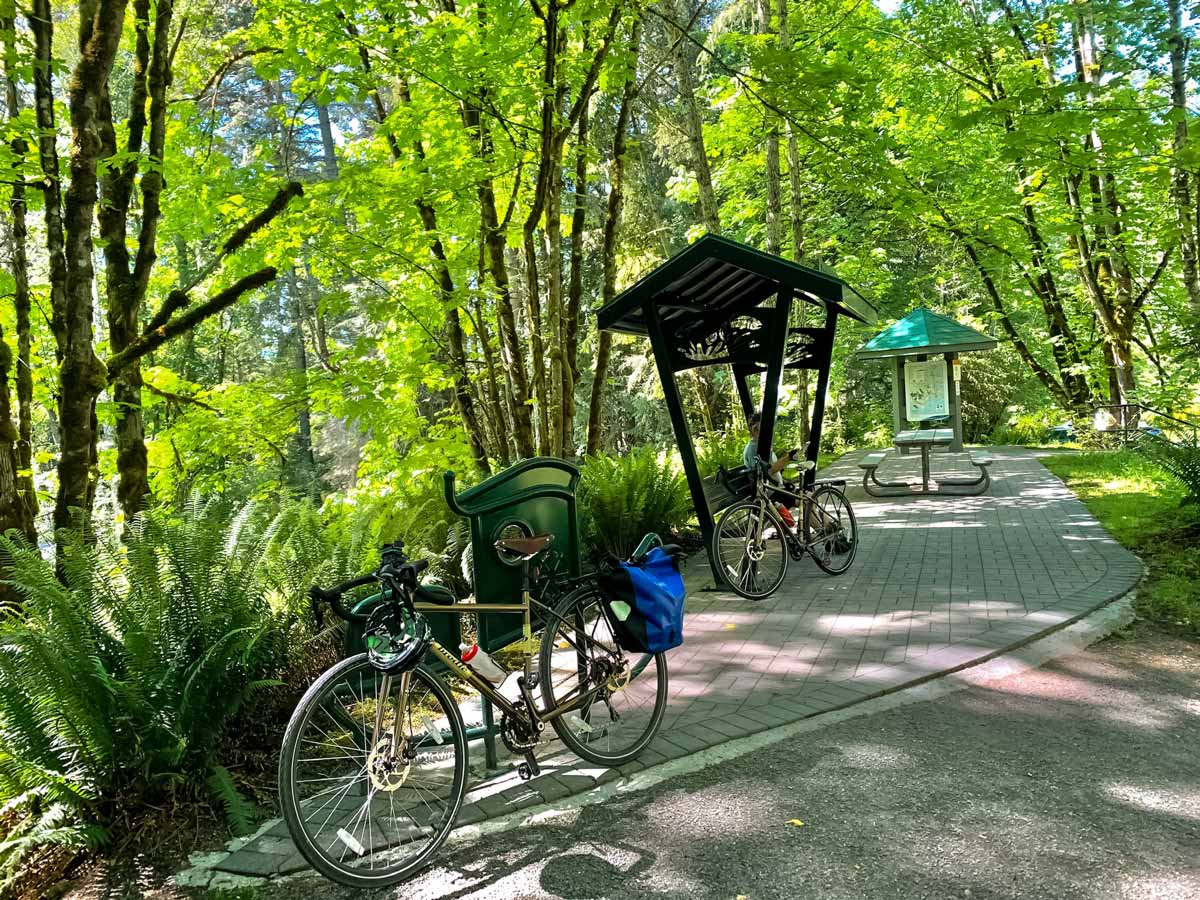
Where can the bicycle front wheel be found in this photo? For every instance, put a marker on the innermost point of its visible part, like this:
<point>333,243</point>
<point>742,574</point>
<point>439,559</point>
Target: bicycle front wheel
<point>750,548</point>
<point>620,696</point>
<point>371,776</point>
<point>832,530</point>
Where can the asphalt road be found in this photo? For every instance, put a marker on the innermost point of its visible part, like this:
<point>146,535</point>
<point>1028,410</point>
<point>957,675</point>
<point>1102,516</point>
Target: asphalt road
<point>1077,780</point>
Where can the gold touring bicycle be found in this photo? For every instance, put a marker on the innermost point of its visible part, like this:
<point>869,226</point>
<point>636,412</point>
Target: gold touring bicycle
<point>374,761</point>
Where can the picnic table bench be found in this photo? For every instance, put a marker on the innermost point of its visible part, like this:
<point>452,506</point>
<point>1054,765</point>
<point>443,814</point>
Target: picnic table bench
<point>870,463</point>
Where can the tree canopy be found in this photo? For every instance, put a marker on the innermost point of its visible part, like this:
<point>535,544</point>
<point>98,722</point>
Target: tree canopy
<point>329,248</point>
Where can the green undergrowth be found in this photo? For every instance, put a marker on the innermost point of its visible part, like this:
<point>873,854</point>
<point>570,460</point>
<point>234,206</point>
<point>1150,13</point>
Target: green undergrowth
<point>1148,511</point>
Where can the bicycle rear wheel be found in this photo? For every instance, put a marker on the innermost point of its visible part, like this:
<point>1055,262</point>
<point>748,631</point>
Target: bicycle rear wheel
<point>366,813</point>
<point>750,547</point>
<point>625,694</point>
<point>832,530</point>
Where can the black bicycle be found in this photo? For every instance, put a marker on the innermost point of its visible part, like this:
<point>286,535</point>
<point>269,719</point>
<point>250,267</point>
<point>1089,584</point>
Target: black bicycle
<point>374,761</point>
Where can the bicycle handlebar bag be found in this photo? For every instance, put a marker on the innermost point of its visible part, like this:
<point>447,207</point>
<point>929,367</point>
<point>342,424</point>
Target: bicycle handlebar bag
<point>644,603</point>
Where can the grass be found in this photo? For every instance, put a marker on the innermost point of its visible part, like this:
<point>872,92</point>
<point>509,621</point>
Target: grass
<point>1146,510</point>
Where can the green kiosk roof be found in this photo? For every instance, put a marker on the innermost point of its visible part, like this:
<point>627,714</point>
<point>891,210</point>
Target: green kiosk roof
<point>924,331</point>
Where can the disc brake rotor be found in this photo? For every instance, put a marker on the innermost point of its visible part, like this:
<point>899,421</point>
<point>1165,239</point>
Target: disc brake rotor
<point>383,768</point>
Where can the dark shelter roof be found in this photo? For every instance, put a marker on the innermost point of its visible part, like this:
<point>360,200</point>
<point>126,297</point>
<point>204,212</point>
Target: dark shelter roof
<point>924,331</point>
<point>708,298</point>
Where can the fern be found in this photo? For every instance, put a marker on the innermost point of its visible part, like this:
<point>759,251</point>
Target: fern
<point>1179,460</point>
<point>117,685</point>
<point>721,448</point>
<point>239,812</point>
<point>623,498</point>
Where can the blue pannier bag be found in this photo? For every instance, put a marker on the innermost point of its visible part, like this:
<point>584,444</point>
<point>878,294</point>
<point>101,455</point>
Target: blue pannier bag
<point>644,603</point>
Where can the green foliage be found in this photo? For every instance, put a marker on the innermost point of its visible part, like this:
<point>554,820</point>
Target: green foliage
<point>1141,506</point>
<point>1180,460</point>
<point>991,383</point>
<point>621,498</point>
<point>1027,428</point>
<point>721,448</point>
<point>116,687</point>
<point>239,812</point>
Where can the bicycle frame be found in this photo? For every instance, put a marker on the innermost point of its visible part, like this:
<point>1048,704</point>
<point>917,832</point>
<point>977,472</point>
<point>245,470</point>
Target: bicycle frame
<point>763,490</point>
<point>537,716</point>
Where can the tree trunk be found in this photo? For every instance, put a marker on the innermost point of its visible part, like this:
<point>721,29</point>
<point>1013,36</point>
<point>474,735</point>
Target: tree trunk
<point>763,16</point>
<point>684,55</point>
<point>543,194</point>
<point>1181,194</point>
<point>516,378</point>
<point>81,374</point>
<point>329,164</point>
<point>41,24</point>
<point>501,426</point>
<point>612,222</point>
<point>18,500</point>
<point>454,334</point>
<point>556,320</point>
<point>575,288</point>
<point>306,460</point>
<point>796,215</point>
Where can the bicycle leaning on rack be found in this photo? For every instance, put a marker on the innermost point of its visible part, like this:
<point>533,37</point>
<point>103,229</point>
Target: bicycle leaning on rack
<point>752,543</point>
<point>374,761</point>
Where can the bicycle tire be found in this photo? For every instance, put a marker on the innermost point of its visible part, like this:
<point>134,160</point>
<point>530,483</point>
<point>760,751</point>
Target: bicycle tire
<point>847,556</point>
<point>585,602</point>
<point>307,843</point>
<point>736,579</point>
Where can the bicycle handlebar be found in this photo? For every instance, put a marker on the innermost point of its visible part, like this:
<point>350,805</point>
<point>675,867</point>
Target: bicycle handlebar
<point>405,573</point>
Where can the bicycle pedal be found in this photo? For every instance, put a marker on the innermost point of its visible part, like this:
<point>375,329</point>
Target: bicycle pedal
<point>529,768</point>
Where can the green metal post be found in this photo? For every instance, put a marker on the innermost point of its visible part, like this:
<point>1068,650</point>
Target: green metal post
<point>741,380</point>
<point>777,349</point>
<point>956,444</point>
<point>489,735</point>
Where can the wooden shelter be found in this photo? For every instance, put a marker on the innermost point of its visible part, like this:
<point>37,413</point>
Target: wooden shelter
<point>721,302</point>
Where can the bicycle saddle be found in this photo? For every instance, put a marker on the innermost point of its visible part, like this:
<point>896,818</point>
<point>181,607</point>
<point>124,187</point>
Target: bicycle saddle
<point>524,548</point>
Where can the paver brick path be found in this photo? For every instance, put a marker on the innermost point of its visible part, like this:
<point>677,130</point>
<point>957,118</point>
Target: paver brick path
<point>938,583</point>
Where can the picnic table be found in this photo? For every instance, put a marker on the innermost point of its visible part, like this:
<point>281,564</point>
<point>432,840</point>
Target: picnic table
<point>924,441</point>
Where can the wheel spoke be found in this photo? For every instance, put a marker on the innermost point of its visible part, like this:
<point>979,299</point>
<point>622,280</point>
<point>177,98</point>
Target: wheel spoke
<point>620,692</point>
<point>365,814</point>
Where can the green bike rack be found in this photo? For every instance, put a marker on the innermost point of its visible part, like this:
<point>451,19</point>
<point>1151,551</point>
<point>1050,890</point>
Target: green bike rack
<point>535,496</point>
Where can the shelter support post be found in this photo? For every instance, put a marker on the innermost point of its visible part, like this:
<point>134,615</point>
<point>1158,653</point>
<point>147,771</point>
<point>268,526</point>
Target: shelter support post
<point>663,359</point>
<point>776,351</point>
<point>823,354</point>
<point>956,444</point>
<point>899,423</point>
